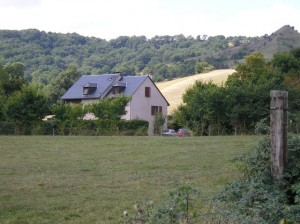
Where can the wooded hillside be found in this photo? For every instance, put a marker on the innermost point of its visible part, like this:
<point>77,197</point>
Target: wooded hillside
<point>45,55</point>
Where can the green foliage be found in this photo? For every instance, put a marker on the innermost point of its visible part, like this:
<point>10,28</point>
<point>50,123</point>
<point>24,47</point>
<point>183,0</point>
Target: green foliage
<point>60,84</point>
<point>263,126</point>
<point>202,108</point>
<point>289,64</point>
<point>11,78</point>
<point>2,103</point>
<point>203,66</point>
<point>7,128</point>
<point>256,197</point>
<point>45,55</point>
<point>71,112</point>
<point>180,208</point>
<point>85,127</point>
<point>158,123</point>
<point>26,107</point>
<point>242,102</point>
<point>110,108</point>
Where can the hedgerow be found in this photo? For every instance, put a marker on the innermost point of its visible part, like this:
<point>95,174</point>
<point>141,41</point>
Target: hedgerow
<point>81,127</point>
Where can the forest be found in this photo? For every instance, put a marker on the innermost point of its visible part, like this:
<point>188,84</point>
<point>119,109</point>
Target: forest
<point>45,55</point>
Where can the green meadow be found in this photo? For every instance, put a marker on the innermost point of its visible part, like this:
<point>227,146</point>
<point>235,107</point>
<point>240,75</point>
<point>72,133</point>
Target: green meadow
<point>80,179</point>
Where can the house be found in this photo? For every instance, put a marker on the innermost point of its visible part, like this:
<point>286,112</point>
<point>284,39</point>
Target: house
<point>146,99</point>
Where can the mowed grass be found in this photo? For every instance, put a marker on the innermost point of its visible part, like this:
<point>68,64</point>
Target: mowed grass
<point>46,179</point>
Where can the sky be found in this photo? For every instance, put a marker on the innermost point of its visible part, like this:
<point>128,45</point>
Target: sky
<point>109,19</point>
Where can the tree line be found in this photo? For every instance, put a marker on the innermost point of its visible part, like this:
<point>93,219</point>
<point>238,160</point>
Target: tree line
<point>242,102</point>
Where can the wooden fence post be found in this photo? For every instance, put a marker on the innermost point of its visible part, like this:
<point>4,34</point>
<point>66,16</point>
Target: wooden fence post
<point>279,130</point>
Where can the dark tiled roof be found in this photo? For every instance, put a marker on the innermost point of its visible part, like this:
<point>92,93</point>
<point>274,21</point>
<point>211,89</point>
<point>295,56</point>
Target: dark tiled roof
<point>102,81</point>
<point>90,85</point>
<point>103,84</point>
<point>133,83</point>
<point>120,84</point>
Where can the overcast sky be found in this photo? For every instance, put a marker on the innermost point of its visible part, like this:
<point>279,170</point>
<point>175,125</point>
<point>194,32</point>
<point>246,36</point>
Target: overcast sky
<point>110,19</point>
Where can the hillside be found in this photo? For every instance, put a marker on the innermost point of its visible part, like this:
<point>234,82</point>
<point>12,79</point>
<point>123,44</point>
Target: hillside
<point>46,54</point>
<point>284,39</point>
<point>174,90</point>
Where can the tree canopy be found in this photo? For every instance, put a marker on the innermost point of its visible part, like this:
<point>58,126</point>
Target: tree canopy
<point>25,107</point>
<point>45,55</point>
<point>238,105</point>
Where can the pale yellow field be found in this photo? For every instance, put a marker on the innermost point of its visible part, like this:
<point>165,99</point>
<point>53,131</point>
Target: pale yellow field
<point>174,89</point>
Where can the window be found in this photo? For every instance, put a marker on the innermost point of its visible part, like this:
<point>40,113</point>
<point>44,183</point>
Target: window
<point>147,92</point>
<point>156,109</point>
<point>85,91</point>
<point>115,90</point>
<point>89,88</point>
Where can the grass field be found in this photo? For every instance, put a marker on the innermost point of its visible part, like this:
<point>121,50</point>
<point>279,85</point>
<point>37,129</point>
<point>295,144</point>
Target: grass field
<point>173,90</point>
<point>45,179</point>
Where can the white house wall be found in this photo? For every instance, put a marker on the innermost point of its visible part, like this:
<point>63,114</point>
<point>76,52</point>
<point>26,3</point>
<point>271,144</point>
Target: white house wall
<point>128,112</point>
<point>89,101</point>
<point>140,106</point>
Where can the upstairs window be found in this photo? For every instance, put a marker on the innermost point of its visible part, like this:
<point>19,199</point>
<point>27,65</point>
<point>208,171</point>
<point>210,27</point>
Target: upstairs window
<point>89,88</point>
<point>156,109</point>
<point>147,91</point>
<point>118,88</point>
<point>115,90</point>
<point>86,91</point>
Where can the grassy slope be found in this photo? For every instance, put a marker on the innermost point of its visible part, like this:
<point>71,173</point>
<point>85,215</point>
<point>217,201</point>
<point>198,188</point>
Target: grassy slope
<point>173,90</point>
<point>93,179</point>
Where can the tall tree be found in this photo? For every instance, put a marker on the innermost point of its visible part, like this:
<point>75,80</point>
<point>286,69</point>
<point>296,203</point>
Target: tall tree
<point>248,92</point>
<point>25,107</point>
<point>62,83</point>
<point>289,64</point>
<point>202,107</point>
<point>110,108</point>
<point>68,112</point>
<point>11,78</point>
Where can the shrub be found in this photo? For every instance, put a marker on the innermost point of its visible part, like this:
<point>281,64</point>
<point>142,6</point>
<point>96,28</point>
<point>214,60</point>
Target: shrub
<point>180,208</point>
<point>79,127</point>
<point>256,197</point>
<point>7,128</point>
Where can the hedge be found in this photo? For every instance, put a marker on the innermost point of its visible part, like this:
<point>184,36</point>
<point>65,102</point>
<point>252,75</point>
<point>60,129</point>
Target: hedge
<point>78,127</point>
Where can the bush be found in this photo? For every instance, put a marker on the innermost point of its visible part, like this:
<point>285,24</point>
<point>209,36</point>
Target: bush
<point>80,127</point>
<point>180,208</point>
<point>7,128</point>
<point>256,197</point>
<point>102,127</point>
<point>262,127</point>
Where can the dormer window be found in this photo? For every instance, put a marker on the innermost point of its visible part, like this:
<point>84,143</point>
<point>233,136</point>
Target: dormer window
<point>118,88</point>
<point>89,88</point>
